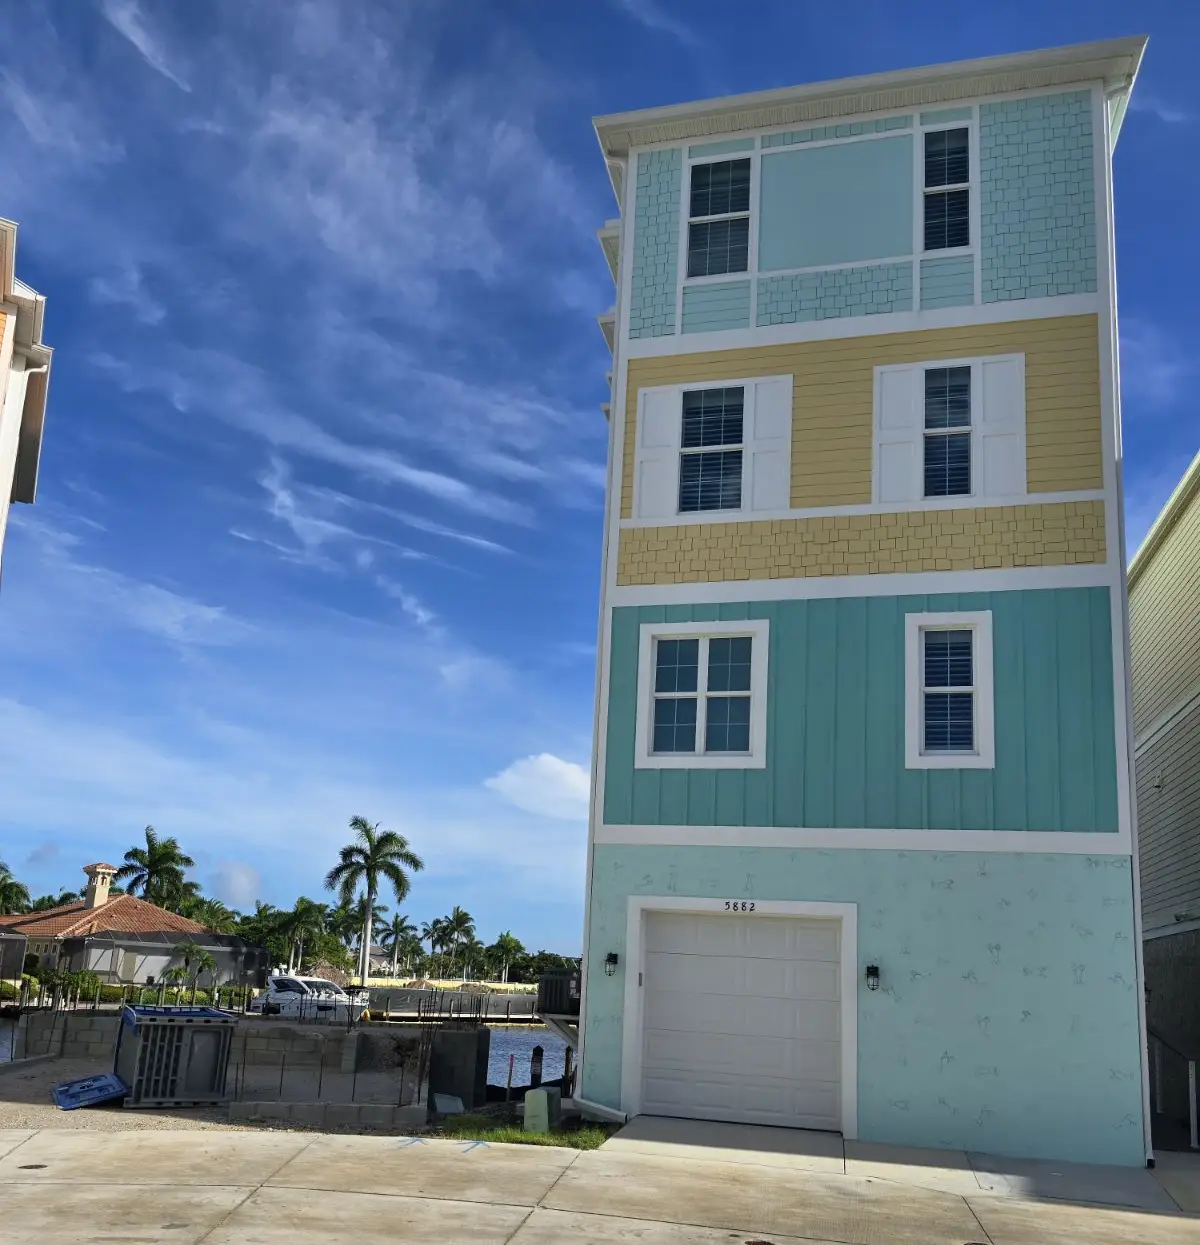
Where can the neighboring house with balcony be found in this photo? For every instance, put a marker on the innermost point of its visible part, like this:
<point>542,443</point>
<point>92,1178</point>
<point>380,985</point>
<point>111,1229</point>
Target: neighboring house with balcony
<point>861,846</point>
<point>1164,630</point>
<point>24,376</point>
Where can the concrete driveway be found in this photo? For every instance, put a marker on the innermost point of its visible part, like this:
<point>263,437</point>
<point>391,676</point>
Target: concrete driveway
<point>657,1183</point>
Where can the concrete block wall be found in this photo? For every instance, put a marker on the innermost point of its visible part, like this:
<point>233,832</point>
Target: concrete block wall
<point>299,1046</point>
<point>71,1035</point>
<point>655,243</point>
<point>332,1116</point>
<point>864,290</point>
<point>1037,197</point>
<point>984,537</point>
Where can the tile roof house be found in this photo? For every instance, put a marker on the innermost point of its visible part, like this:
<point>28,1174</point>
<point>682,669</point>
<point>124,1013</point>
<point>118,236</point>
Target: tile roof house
<point>123,938</point>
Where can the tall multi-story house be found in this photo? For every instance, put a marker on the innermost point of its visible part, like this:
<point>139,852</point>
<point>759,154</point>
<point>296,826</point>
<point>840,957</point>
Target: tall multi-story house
<point>861,852</point>
<point>1164,638</point>
<point>24,377</point>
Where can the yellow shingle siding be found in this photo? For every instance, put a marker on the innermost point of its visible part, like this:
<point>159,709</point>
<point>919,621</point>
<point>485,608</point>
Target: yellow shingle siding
<point>1048,534</point>
<point>833,400</point>
<point>1164,620</point>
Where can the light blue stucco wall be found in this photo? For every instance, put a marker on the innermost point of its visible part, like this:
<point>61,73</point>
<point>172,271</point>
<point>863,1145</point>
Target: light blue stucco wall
<point>723,305</point>
<point>836,205</point>
<point>835,721</point>
<point>655,243</point>
<point>869,290</point>
<point>1037,197</point>
<point>1007,1018</point>
<point>948,282</point>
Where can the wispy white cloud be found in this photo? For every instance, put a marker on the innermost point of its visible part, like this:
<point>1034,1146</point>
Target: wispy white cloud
<point>412,605</point>
<point>544,784</point>
<point>126,18</point>
<point>55,123</point>
<point>125,286</point>
<point>1152,106</point>
<point>654,16</point>
<point>236,883</point>
<point>1154,369</point>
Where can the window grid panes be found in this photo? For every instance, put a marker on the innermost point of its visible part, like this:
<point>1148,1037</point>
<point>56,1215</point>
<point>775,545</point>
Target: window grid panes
<point>948,690</point>
<point>713,673</point>
<point>721,191</point>
<point>947,432</point>
<point>947,211</point>
<point>711,478</point>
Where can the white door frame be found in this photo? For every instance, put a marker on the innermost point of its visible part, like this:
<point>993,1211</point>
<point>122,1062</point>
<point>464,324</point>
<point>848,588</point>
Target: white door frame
<point>635,966</point>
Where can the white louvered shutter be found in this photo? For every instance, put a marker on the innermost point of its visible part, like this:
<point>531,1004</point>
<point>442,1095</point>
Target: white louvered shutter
<point>656,465</point>
<point>769,446</point>
<point>1001,421</point>
<point>899,430</point>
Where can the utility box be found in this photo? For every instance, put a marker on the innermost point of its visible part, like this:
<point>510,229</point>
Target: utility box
<point>174,1056</point>
<point>543,1109</point>
<point>458,1065</point>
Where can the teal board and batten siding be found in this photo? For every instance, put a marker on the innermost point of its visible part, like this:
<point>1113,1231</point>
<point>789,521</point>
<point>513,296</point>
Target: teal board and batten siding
<point>841,204</point>
<point>723,305</point>
<point>947,282</point>
<point>1037,197</point>
<point>835,721</point>
<point>1007,1019</point>
<point>655,243</point>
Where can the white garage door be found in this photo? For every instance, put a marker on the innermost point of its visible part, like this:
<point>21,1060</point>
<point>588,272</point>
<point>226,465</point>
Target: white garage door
<point>742,1019</point>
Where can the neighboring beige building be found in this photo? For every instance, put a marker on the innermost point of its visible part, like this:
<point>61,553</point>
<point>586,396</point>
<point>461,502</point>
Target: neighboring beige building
<point>1164,615</point>
<point>25,377</point>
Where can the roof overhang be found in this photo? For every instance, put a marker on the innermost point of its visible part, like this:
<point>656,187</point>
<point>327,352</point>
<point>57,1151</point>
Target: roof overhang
<point>30,309</point>
<point>1182,496</point>
<point>1113,62</point>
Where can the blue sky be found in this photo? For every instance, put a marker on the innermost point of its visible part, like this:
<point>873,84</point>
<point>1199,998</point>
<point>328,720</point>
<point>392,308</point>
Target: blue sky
<point>319,518</point>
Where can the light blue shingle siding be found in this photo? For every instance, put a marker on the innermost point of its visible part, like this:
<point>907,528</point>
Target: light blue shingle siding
<point>722,306</point>
<point>1037,197</point>
<point>822,133</point>
<point>947,282</point>
<point>655,243</point>
<point>866,290</point>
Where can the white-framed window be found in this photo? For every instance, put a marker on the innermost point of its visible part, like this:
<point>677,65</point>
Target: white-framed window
<point>718,232</point>
<point>946,192</point>
<point>718,449</point>
<point>950,428</point>
<point>702,695</point>
<point>948,691</point>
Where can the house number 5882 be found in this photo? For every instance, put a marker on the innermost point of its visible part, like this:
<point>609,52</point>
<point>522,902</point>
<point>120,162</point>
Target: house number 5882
<point>739,905</point>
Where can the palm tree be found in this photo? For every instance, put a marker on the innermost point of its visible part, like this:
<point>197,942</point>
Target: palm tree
<point>345,922</point>
<point>156,869</point>
<point>397,934</point>
<point>183,897</point>
<point>14,895</point>
<point>374,856</point>
<point>460,929</point>
<point>504,950</point>
<point>215,916</point>
<point>44,902</point>
<point>305,920</point>
<point>472,953</point>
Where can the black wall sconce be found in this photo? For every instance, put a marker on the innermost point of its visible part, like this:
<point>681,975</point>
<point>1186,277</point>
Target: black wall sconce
<point>872,976</point>
<point>610,964</point>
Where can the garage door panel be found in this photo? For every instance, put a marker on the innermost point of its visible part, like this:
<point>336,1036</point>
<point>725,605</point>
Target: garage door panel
<point>742,1019</point>
<point>731,975</point>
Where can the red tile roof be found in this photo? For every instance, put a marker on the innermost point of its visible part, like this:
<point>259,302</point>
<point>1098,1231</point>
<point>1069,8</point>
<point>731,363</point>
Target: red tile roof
<point>123,914</point>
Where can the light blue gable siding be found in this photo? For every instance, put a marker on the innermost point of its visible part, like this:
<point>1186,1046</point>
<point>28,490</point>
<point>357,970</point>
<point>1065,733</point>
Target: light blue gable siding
<point>868,290</point>
<point>724,148</point>
<point>1037,197</point>
<point>724,305</point>
<point>655,243</point>
<point>1007,1020</point>
<point>840,204</point>
<point>824,133</point>
<point>835,721</point>
<point>947,282</point>
<point>942,116</point>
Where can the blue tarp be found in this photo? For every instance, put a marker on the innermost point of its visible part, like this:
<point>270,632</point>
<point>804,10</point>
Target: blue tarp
<point>88,1091</point>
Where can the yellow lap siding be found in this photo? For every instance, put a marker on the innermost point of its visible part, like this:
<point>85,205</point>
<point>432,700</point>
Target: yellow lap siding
<point>1047,534</point>
<point>833,400</point>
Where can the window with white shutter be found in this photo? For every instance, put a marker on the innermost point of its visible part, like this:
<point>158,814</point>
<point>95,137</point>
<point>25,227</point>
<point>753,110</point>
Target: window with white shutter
<point>950,429</point>
<point>722,449</point>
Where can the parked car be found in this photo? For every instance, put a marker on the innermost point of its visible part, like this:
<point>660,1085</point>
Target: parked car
<point>308,998</point>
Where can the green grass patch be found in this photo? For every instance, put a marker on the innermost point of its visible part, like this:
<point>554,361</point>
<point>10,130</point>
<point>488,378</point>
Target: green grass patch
<point>575,1136</point>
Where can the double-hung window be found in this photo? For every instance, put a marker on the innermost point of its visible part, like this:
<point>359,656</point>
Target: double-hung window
<point>719,218</point>
<point>710,459</point>
<point>947,189</point>
<point>947,457</point>
<point>702,695</point>
<point>948,692</point>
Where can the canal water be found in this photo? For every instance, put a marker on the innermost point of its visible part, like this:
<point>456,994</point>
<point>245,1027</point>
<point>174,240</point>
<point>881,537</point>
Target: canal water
<point>520,1043</point>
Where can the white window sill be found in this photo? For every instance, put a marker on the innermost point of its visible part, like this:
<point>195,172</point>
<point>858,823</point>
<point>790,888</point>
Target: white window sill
<point>950,760</point>
<point>691,760</point>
